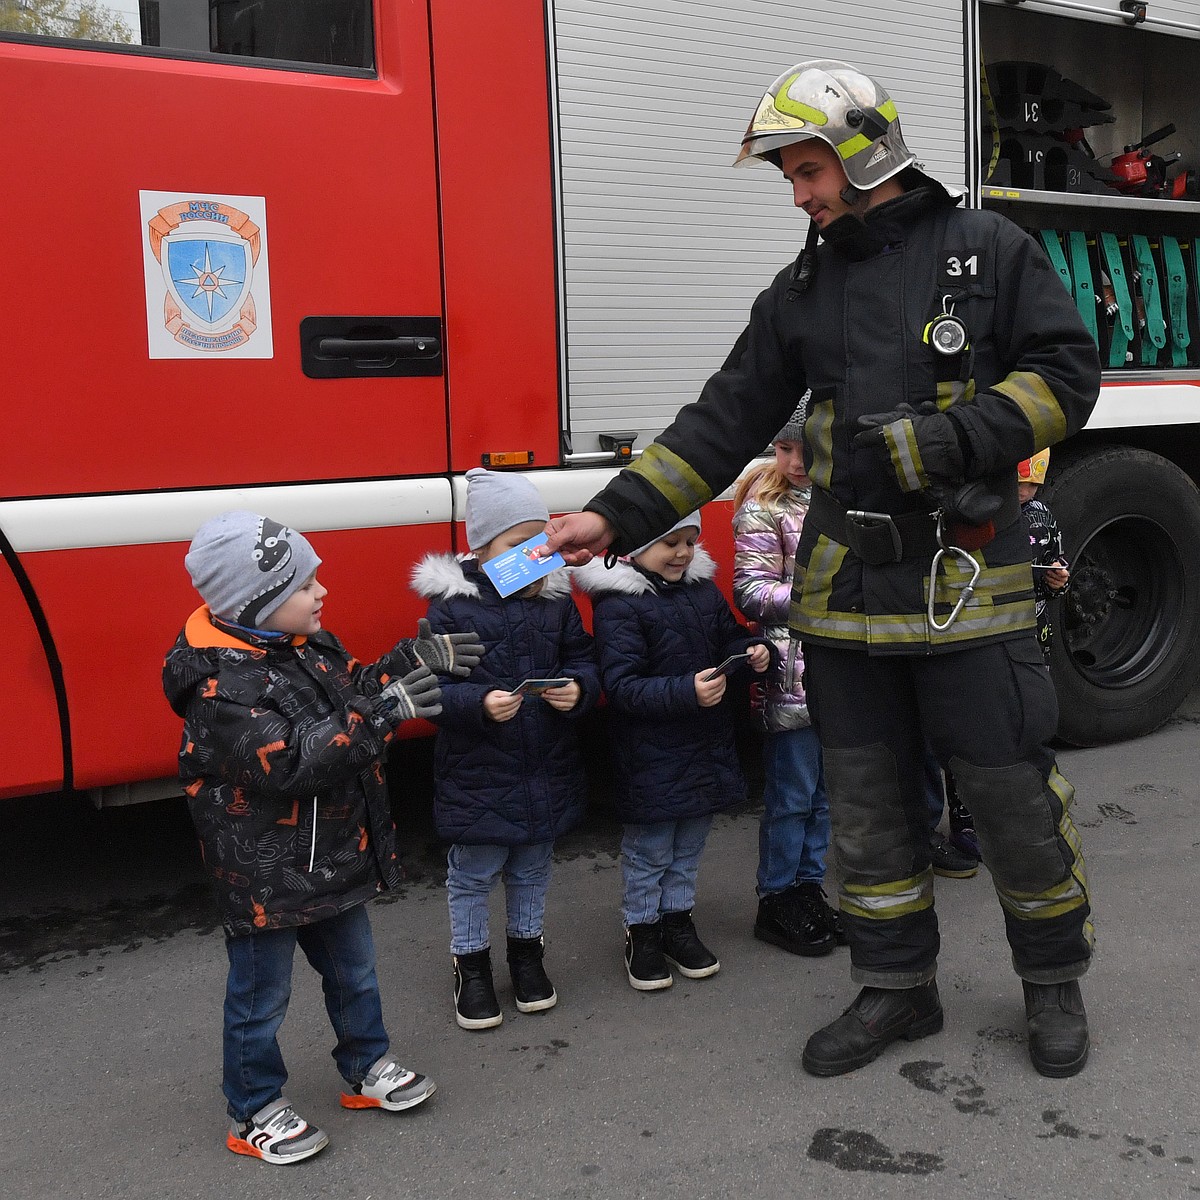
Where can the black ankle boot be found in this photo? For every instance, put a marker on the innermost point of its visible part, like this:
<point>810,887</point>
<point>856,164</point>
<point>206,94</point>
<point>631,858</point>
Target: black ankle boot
<point>683,948</point>
<point>787,919</point>
<point>475,1003</point>
<point>533,989</point>
<point>1058,1028</point>
<point>825,913</point>
<point>877,1018</point>
<point>644,961</point>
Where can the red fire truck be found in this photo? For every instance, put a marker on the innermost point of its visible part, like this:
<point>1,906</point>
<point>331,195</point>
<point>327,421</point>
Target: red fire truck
<point>319,259</point>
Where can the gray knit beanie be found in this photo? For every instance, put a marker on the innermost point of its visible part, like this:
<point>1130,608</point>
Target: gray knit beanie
<point>793,431</point>
<point>245,566</point>
<point>496,502</point>
<point>693,518</point>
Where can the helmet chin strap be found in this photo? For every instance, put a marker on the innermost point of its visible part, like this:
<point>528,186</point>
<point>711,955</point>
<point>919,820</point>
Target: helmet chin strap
<point>852,195</point>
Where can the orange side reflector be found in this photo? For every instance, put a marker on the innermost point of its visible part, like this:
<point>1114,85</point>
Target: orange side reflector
<point>508,458</point>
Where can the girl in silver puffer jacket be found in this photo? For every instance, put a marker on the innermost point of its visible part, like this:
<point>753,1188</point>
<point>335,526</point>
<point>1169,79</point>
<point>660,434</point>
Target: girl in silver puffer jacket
<point>771,502</point>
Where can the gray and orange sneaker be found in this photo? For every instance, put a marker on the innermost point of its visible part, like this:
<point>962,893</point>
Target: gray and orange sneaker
<point>276,1134</point>
<point>391,1086</point>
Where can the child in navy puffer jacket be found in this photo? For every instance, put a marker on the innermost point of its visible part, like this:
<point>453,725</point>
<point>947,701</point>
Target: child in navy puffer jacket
<point>661,626</point>
<point>507,769</point>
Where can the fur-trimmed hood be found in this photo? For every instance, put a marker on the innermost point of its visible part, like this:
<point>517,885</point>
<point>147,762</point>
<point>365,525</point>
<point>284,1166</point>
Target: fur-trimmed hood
<point>442,576</point>
<point>596,579</point>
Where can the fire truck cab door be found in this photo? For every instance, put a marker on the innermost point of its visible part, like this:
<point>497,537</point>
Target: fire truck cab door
<point>180,220</point>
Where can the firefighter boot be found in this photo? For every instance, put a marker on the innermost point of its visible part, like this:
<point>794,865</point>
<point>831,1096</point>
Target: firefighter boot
<point>1058,1029</point>
<point>877,1018</point>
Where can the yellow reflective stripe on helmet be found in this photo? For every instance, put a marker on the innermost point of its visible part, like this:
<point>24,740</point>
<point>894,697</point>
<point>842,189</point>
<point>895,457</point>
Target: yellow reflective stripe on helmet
<point>901,442</point>
<point>796,108</point>
<point>818,433</point>
<point>886,901</point>
<point>669,474</point>
<point>1032,395</point>
<point>851,146</point>
<point>887,110</point>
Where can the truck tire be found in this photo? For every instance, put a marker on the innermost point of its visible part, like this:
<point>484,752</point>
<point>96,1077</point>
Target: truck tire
<point>1126,650</point>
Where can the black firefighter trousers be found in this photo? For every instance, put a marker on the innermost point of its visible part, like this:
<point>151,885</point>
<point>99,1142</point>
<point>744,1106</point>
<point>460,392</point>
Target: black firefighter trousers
<point>988,712</point>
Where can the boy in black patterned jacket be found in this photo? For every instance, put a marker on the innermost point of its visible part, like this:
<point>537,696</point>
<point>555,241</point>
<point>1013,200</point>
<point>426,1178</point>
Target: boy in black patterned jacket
<point>281,758</point>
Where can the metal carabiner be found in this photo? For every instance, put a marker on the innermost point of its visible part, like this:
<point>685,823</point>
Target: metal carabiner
<point>967,592</point>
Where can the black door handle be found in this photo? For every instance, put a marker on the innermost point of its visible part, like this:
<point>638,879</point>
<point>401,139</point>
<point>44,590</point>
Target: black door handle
<point>370,347</point>
<point>396,347</point>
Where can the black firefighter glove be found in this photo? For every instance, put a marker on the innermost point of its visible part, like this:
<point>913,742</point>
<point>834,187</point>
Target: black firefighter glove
<point>921,446</point>
<point>448,653</point>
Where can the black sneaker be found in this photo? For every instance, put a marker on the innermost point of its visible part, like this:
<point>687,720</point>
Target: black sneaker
<point>684,950</point>
<point>825,913</point>
<point>644,961</point>
<point>788,920</point>
<point>949,861</point>
<point>475,1003</point>
<point>532,986</point>
<point>962,827</point>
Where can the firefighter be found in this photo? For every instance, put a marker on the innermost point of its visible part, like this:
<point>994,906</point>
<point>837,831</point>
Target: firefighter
<point>939,350</point>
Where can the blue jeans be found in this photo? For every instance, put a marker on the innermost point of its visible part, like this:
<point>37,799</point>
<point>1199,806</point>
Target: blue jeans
<point>935,789</point>
<point>342,951</point>
<point>659,863</point>
<point>793,835</point>
<point>473,872</point>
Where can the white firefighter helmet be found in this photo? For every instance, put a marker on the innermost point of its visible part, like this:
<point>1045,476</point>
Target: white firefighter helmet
<point>833,101</point>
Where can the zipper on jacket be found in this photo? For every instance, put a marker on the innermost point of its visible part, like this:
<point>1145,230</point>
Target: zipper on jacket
<point>312,847</point>
<point>789,675</point>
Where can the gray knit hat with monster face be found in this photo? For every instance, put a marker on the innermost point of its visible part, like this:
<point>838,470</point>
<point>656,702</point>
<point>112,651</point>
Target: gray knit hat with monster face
<point>245,565</point>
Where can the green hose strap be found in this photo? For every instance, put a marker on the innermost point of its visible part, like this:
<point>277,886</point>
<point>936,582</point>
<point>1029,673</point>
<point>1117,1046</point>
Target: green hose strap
<point>1122,331</point>
<point>1176,274</point>
<point>1085,289</point>
<point>1057,259</point>
<point>1155,337</point>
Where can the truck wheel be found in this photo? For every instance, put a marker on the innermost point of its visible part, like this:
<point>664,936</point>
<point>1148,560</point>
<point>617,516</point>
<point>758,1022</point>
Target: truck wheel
<point>1126,650</point>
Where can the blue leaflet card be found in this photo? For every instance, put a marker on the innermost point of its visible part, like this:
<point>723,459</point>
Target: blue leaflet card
<point>519,567</point>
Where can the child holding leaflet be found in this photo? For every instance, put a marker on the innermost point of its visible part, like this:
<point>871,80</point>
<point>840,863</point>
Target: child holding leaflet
<point>507,768</point>
<point>281,760</point>
<point>770,504</point>
<point>661,627</point>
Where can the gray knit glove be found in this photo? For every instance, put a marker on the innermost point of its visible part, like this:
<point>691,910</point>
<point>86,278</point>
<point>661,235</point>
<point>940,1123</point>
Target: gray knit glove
<point>449,653</point>
<point>415,695</point>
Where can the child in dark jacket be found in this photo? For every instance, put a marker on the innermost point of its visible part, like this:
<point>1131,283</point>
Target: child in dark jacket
<point>507,769</point>
<point>661,626</point>
<point>282,741</point>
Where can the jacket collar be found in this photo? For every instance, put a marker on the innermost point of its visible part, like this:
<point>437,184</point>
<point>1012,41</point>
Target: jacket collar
<point>626,577</point>
<point>442,576</point>
<point>202,633</point>
<point>888,223</point>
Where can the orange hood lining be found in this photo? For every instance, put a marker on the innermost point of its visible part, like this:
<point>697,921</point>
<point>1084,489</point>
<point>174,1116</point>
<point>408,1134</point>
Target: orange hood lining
<point>201,632</point>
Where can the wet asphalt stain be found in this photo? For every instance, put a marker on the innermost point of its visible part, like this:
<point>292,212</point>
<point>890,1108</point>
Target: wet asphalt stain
<point>551,1050</point>
<point>1061,1128</point>
<point>854,1150</point>
<point>41,937</point>
<point>1114,812</point>
<point>966,1091</point>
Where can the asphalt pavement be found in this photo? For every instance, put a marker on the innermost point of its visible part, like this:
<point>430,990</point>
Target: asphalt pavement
<point>112,970</point>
